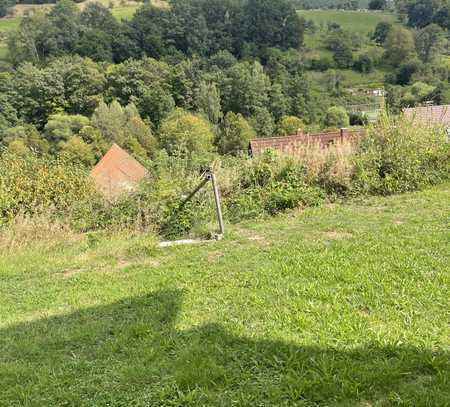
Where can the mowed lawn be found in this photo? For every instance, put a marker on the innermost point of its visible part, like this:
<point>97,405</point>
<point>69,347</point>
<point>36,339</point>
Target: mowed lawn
<point>340,305</point>
<point>361,22</point>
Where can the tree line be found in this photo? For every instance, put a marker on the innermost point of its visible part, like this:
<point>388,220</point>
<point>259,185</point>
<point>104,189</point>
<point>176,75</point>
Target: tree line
<point>186,28</point>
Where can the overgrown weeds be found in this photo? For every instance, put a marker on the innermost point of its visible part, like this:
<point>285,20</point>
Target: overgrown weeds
<point>395,156</point>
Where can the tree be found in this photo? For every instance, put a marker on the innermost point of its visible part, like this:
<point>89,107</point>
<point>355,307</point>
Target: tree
<point>364,64</point>
<point>337,117</point>
<point>62,127</point>
<point>343,56</point>
<point>290,125</point>
<point>37,93</point>
<point>8,115</point>
<point>442,17</point>
<point>95,44</point>
<point>27,135</point>
<point>124,127</point>
<point>208,102</point>
<point>5,7</point>
<point>149,29</point>
<point>421,12</point>
<point>145,83</point>
<point>234,135</point>
<point>95,15</point>
<point>272,23</point>
<point>263,123</point>
<point>430,42</point>
<point>399,45</point>
<point>381,32</point>
<point>245,88</point>
<point>377,4</point>
<point>279,102</point>
<point>84,83</point>
<point>185,133</point>
<point>406,71</point>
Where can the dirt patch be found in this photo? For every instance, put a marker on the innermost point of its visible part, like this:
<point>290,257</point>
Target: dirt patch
<point>149,262</point>
<point>256,238</point>
<point>214,256</point>
<point>72,272</point>
<point>337,235</point>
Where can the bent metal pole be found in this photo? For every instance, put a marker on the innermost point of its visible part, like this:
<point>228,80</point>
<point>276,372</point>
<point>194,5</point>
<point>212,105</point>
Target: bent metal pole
<point>217,201</point>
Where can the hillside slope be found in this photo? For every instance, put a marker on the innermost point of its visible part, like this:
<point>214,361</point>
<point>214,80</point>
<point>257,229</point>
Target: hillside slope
<point>341,305</point>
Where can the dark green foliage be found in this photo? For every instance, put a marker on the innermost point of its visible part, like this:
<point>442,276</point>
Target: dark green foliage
<point>364,64</point>
<point>406,70</point>
<point>343,56</point>
<point>273,24</point>
<point>381,32</point>
<point>430,42</point>
<point>5,7</point>
<point>189,27</point>
<point>377,4</point>
<point>234,135</point>
<point>37,93</point>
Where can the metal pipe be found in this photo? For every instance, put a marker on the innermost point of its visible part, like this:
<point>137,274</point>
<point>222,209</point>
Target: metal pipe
<point>217,201</point>
<point>200,186</point>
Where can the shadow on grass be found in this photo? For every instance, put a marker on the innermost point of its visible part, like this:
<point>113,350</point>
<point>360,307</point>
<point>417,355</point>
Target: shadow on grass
<point>130,353</point>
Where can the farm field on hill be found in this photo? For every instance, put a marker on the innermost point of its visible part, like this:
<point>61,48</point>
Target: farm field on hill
<point>339,305</point>
<point>361,22</point>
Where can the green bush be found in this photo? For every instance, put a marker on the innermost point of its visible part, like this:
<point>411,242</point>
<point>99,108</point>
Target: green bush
<point>398,156</point>
<point>29,184</point>
<point>270,184</point>
<point>184,132</point>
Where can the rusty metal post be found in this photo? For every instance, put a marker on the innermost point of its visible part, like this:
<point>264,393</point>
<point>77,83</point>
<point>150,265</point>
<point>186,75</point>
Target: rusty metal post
<point>217,201</point>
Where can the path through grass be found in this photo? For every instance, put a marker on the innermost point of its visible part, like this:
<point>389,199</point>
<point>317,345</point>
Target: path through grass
<point>341,305</point>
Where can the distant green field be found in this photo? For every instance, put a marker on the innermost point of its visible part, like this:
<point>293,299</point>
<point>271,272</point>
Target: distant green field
<point>9,24</point>
<point>124,13</point>
<point>357,21</point>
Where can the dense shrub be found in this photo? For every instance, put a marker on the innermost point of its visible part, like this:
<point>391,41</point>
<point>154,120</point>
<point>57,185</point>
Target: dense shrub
<point>29,184</point>
<point>336,117</point>
<point>185,132</point>
<point>270,184</point>
<point>399,156</point>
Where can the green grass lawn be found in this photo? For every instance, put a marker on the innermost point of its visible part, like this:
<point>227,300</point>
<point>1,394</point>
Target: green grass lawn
<point>343,305</point>
<point>356,21</point>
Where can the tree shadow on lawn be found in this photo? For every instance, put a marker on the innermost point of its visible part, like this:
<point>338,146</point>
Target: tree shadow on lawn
<point>130,353</point>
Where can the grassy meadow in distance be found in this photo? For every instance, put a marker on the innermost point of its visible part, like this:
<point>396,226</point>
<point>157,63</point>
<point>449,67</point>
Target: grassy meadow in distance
<point>339,305</point>
<point>361,22</point>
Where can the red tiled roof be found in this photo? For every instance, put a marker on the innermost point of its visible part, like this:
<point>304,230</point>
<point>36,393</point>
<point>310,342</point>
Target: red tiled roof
<point>117,173</point>
<point>429,115</point>
<point>291,144</point>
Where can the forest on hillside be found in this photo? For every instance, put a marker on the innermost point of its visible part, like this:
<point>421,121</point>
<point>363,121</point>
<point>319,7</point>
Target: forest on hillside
<point>202,75</point>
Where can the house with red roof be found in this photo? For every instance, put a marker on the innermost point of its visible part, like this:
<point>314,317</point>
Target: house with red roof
<point>117,173</point>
